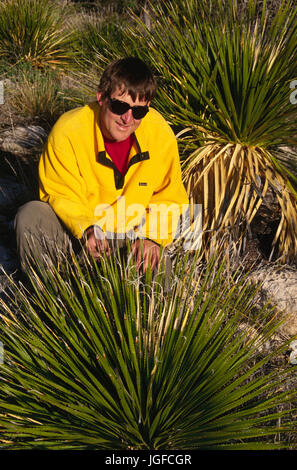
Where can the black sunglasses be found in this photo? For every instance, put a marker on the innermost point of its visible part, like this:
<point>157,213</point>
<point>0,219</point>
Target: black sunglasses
<point>120,107</point>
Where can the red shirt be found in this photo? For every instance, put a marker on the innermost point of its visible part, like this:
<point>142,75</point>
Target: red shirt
<point>119,152</point>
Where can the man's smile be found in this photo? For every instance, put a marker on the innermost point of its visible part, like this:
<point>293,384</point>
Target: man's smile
<point>118,127</point>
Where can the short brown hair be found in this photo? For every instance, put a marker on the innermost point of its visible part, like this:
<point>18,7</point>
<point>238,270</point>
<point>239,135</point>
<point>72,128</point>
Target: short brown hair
<point>129,74</point>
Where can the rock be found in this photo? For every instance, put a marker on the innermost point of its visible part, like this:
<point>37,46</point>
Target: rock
<point>279,285</point>
<point>23,140</point>
<point>252,335</point>
<point>8,260</point>
<point>265,223</point>
<point>293,355</point>
<point>12,195</point>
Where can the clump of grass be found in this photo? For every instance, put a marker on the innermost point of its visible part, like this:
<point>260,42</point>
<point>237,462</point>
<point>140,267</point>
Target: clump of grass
<point>36,31</point>
<point>97,34</point>
<point>39,96</point>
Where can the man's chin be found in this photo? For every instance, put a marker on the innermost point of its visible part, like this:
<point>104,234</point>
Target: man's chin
<point>121,136</point>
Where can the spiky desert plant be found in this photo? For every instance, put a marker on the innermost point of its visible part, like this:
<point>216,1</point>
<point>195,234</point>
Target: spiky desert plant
<point>36,31</point>
<point>225,77</point>
<point>98,359</point>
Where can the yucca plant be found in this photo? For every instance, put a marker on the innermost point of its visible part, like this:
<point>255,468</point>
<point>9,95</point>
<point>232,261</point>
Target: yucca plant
<point>225,75</point>
<point>36,31</point>
<point>97,358</point>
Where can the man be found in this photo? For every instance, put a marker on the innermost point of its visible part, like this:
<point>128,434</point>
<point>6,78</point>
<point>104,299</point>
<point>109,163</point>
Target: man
<point>110,170</point>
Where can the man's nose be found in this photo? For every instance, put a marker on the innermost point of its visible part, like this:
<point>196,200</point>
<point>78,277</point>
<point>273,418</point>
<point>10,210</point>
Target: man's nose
<point>127,117</point>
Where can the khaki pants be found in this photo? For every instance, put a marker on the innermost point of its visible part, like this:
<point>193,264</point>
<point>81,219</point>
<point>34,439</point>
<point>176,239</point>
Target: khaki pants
<point>41,236</point>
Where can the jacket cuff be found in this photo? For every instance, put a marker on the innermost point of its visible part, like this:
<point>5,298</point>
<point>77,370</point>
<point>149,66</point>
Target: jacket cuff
<point>145,238</point>
<point>87,231</point>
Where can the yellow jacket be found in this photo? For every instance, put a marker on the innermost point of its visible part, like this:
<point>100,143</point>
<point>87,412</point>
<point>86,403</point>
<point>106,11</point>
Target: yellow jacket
<point>83,186</point>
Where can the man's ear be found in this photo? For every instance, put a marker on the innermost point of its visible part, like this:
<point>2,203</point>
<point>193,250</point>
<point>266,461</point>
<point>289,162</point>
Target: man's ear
<point>99,97</point>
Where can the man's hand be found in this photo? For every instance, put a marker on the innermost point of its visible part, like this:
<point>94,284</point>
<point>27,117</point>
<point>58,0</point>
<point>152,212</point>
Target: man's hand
<point>96,243</point>
<point>147,252</point>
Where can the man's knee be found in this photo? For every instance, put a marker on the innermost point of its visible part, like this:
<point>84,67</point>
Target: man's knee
<point>39,233</point>
<point>37,220</point>
<point>30,214</point>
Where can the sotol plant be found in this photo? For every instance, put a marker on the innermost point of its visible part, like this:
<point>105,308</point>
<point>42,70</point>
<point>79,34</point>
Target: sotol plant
<point>225,75</point>
<point>96,359</point>
<point>36,31</point>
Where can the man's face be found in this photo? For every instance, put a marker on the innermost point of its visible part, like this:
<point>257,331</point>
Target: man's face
<point>118,127</point>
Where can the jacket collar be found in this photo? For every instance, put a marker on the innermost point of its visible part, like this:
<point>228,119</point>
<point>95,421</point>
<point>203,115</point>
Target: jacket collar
<point>105,160</point>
